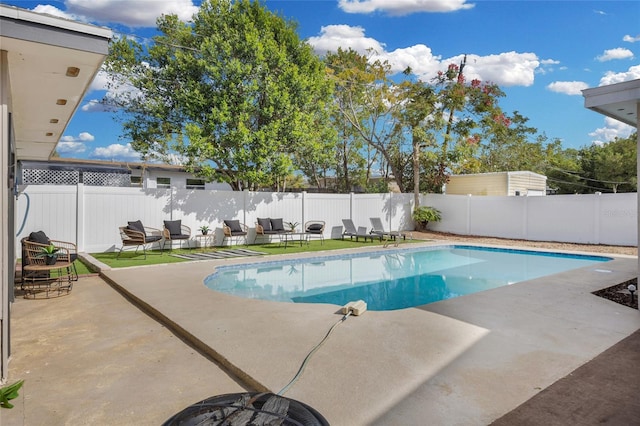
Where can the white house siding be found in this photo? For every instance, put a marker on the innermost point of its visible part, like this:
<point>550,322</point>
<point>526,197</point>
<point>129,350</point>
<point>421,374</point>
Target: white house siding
<point>178,180</point>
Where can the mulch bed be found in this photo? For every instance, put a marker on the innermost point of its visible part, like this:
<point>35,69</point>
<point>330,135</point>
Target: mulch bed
<point>619,293</point>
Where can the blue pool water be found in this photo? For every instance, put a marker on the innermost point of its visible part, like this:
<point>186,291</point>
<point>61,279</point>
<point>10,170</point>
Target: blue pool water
<point>392,279</point>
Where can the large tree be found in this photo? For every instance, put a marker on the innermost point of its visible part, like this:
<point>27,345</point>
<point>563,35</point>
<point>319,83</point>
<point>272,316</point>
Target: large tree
<point>365,100</point>
<point>236,93</point>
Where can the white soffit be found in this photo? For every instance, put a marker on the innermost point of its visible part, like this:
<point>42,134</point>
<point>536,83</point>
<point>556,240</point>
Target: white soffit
<point>40,50</point>
<point>618,101</point>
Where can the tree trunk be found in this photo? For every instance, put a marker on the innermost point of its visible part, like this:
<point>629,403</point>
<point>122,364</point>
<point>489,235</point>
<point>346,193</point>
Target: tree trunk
<point>416,172</point>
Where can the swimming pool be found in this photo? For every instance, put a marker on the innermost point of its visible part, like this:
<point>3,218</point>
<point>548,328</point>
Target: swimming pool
<point>393,278</point>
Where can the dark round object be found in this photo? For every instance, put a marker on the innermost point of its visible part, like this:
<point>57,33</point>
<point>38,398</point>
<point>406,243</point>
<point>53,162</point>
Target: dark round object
<point>239,409</point>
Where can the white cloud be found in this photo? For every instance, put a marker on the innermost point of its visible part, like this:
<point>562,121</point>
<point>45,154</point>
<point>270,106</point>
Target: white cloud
<point>116,152</point>
<point>70,147</point>
<point>419,57</point>
<point>612,77</point>
<point>105,82</point>
<point>613,129</point>
<point>100,81</point>
<point>74,144</point>
<point>334,36</point>
<point>403,7</point>
<point>617,53</point>
<point>568,87</point>
<point>82,137</point>
<point>132,13</point>
<point>504,69</point>
<point>54,11</point>
<point>547,66</point>
<point>631,39</point>
<point>95,105</point>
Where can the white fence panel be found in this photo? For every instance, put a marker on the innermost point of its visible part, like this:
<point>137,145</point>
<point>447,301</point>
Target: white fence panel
<point>331,208</point>
<point>285,205</point>
<point>106,209</point>
<point>90,216</point>
<point>48,208</point>
<point>502,217</point>
<point>618,219</point>
<point>366,206</point>
<point>588,219</point>
<point>397,214</point>
<point>565,218</point>
<point>454,209</point>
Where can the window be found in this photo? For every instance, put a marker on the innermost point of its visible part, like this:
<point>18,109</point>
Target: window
<point>136,180</point>
<point>195,184</point>
<point>163,182</point>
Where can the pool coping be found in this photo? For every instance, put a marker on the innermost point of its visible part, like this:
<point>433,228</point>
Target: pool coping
<point>467,360</point>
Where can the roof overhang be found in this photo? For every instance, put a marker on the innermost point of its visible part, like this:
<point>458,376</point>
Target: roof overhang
<point>51,63</point>
<point>618,101</point>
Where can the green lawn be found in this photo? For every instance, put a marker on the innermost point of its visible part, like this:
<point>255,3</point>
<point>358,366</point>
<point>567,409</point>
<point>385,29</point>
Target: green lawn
<point>129,258</point>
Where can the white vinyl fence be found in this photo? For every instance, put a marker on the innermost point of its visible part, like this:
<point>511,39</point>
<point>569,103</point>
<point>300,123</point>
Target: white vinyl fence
<point>90,216</point>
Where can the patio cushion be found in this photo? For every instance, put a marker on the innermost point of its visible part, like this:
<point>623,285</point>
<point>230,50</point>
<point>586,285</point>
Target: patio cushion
<point>265,223</point>
<point>39,237</point>
<point>277,225</point>
<point>234,225</point>
<point>314,227</point>
<point>137,226</point>
<point>173,226</point>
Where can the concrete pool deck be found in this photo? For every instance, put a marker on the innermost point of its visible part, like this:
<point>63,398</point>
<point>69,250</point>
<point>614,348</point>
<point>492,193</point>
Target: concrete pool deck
<point>463,361</point>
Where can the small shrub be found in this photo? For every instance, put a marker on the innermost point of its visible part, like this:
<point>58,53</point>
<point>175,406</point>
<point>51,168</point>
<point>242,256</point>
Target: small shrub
<point>423,215</point>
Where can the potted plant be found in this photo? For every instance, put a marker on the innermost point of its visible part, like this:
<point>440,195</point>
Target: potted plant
<point>292,226</point>
<point>204,229</point>
<point>423,215</point>
<point>50,254</point>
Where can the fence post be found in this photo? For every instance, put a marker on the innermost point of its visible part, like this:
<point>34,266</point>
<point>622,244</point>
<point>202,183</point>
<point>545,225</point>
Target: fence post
<point>304,210</point>
<point>596,217</point>
<point>351,201</point>
<point>245,204</point>
<point>525,218</point>
<point>468,214</point>
<point>391,211</point>
<point>80,210</point>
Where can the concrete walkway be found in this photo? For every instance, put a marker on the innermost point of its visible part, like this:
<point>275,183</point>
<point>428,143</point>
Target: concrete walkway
<point>93,358</point>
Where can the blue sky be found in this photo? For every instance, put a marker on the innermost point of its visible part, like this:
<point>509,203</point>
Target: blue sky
<point>541,53</point>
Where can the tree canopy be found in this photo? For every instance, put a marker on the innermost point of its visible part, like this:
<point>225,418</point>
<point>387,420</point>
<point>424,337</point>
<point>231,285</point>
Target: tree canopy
<point>235,93</point>
<point>237,97</point>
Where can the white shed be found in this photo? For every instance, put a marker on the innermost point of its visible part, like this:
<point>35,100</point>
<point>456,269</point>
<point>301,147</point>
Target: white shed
<point>520,183</point>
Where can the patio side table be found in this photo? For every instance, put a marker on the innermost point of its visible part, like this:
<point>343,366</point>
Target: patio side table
<point>293,237</point>
<point>205,240</point>
<point>43,280</point>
